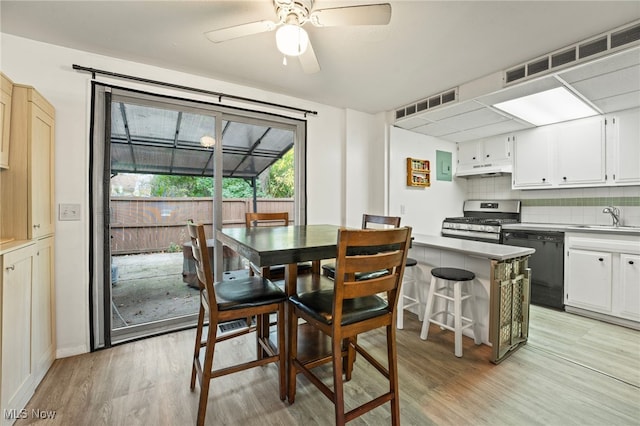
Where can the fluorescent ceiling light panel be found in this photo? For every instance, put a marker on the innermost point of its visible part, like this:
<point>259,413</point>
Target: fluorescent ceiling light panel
<point>550,106</point>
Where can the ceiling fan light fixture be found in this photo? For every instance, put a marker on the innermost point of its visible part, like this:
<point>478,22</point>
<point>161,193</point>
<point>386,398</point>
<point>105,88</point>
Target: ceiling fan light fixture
<point>292,40</point>
<point>207,141</point>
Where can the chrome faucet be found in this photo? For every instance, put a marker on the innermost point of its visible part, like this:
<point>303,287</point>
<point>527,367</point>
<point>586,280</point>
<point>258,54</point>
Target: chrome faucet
<point>615,214</point>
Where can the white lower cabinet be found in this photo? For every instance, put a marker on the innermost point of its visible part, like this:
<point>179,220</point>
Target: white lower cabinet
<point>43,321</point>
<point>602,275</point>
<point>17,379</point>
<point>630,286</point>
<point>590,279</point>
<point>28,323</point>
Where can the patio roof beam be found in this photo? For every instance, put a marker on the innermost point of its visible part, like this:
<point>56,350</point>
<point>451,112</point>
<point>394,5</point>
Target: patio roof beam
<point>175,140</point>
<point>127,133</point>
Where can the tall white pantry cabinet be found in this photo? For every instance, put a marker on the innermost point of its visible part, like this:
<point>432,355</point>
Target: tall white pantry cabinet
<point>27,221</point>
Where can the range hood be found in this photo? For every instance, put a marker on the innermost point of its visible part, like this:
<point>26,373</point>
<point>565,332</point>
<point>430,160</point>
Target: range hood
<point>485,171</point>
<point>603,70</point>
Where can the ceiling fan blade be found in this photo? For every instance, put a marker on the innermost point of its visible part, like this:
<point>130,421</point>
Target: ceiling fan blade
<point>309,61</point>
<point>238,31</point>
<point>370,14</point>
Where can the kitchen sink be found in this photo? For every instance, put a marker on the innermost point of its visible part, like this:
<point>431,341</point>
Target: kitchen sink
<point>610,228</point>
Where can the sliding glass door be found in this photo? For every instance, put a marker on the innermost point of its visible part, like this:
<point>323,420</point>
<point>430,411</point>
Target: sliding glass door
<point>154,163</point>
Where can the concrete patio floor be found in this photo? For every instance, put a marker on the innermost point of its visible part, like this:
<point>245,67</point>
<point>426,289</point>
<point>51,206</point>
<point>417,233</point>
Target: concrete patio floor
<point>150,287</point>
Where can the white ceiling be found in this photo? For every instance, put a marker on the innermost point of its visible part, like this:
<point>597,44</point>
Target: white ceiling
<point>428,47</point>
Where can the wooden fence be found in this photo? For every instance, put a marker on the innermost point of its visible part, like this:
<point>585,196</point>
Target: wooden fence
<point>155,224</point>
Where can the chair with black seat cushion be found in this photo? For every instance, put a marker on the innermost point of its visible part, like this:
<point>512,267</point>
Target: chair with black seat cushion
<point>225,301</point>
<point>274,272</point>
<point>351,307</point>
<point>369,221</point>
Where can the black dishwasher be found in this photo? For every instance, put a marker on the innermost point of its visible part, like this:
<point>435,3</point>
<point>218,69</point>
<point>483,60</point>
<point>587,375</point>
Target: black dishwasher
<point>547,264</point>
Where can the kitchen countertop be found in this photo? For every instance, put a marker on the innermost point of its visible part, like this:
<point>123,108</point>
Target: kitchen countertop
<point>472,248</point>
<point>565,227</point>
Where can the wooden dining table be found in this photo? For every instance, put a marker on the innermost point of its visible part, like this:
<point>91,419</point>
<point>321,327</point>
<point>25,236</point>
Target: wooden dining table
<point>283,245</point>
<point>288,245</point>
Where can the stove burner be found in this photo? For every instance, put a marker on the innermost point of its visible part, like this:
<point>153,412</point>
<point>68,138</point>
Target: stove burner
<point>482,221</point>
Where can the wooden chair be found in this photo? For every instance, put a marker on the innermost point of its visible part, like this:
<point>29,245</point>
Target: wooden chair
<point>274,272</point>
<point>352,307</point>
<point>369,221</point>
<point>227,301</point>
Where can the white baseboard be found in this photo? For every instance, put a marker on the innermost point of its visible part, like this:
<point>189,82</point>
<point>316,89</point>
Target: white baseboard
<point>67,352</point>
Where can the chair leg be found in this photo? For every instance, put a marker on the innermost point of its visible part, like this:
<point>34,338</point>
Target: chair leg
<point>196,352</point>
<point>350,346</point>
<point>338,391</point>
<point>417,272</point>
<point>292,353</point>
<point>206,370</point>
<point>474,312</point>
<point>393,375</point>
<point>424,333</point>
<point>282,358</point>
<point>457,309</point>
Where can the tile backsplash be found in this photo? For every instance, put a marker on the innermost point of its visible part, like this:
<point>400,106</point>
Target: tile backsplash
<point>580,206</point>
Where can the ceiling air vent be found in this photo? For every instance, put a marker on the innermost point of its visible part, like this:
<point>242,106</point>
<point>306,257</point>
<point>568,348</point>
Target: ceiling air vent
<point>591,48</point>
<point>563,57</point>
<point>626,36</point>
<point>597,45</point>
<point>449,96</point>
<point>516,74</point>
<point>538,66</point>
<point>427,104</point>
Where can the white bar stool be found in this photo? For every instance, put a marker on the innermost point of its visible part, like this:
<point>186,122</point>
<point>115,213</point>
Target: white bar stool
<point>444,283</point>
<point>410,278</point>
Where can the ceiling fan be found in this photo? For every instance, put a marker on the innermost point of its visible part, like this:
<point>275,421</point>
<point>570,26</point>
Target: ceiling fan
<point>292,39</point>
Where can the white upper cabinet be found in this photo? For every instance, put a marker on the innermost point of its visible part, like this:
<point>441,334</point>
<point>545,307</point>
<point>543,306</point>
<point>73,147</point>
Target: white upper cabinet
<point>469,154</point>
<point>581,152</point>
<point>623,147</point>
<point>533,159</point>
<point>489,155</point>
<point>594,151</point>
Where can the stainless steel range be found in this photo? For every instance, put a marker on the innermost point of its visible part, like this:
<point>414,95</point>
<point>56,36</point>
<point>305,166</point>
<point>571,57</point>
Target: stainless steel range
<point>482,220</point>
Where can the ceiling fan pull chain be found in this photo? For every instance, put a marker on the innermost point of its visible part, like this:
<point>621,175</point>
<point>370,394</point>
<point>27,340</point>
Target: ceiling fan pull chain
<point>284,60</point>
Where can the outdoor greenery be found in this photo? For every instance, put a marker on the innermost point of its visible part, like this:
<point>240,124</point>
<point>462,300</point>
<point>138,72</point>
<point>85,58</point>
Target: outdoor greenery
<point>281,177</point>
<point>279,183</point>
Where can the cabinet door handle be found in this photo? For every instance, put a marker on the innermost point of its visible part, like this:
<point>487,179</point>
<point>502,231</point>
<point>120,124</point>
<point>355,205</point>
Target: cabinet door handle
<point>601,259</point>
<point>631,262</point>
<point>474,158</point>
<point>36,226</point>
<point>544,179</point>
<point>564,178</point>
<point>488,155</point>
<point>10,268</point>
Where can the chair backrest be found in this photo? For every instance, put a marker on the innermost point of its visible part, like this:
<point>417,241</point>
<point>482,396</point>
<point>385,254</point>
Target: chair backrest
<point>202,262</point>
<point>383,221</point>
<point>386,248</point>
<point>266,219</point>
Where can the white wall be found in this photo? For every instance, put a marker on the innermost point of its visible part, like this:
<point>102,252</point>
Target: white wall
<point>49,69</point>
<point>424,208</point>
<point>364,166</point>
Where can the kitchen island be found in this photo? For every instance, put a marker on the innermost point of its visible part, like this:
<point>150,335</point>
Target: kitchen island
<point>501,285</point>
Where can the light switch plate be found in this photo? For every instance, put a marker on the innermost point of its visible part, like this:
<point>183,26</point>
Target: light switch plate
<point>69,212</point>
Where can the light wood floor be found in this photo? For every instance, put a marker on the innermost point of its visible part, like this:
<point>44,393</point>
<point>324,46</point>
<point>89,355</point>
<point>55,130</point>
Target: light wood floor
<point>573,371</point>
